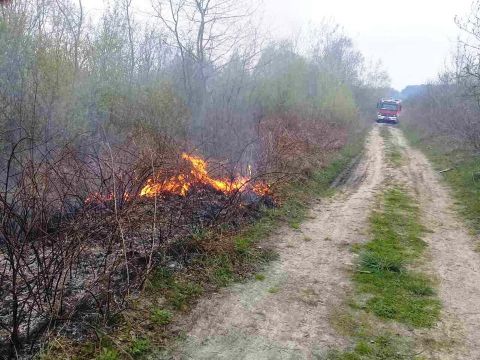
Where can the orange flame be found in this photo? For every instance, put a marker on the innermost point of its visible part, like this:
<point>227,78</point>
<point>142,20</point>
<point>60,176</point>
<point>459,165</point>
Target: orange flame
<point>181,184</point>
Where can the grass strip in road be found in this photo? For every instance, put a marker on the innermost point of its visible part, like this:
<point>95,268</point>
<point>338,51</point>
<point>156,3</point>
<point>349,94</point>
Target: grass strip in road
<point>383,347</point>
<point>387,287</point>
<point>392,150</point>
<point>394,291</point>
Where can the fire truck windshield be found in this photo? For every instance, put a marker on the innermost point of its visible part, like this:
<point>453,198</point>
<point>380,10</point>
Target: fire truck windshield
<point>389,107</point>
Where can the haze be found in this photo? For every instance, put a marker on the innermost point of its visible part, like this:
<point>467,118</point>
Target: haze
<point>412,38</point>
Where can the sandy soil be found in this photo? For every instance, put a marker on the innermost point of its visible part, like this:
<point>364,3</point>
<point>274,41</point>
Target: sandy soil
<point>287,316</point>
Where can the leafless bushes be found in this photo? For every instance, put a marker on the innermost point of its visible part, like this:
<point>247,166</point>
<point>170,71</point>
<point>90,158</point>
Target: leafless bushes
<point>77,240</point>
<point>450,107</point>
<point>298,144</point>
<point>36,256</point>
<point>52,258</point>
<point>445,109</point>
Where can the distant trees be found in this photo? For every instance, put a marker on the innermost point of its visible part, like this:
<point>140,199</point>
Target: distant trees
<point>202,56</point>
<point>450,106</point>
<point>467,60</point>
<point>445,109</point>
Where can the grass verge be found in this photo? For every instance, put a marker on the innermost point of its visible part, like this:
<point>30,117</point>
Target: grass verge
<point>387,289</point>
<point>372,342</point>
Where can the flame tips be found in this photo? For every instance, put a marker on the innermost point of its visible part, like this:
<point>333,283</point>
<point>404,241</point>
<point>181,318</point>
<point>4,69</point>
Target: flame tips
<point>181,184</point>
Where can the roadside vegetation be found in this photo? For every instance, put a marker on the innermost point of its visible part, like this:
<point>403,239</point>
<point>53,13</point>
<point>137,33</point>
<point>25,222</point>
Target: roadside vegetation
<point>388,288</point>
<point>143,329</point>
<point>142,163</point>
<point>442,120</point>
<point>459,166</point>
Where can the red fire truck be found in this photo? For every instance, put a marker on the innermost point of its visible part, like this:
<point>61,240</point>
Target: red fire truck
<point>389,111</point>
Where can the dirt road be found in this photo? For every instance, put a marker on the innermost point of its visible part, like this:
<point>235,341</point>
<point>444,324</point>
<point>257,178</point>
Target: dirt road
<point>453,260</point>
<point>287,316</point>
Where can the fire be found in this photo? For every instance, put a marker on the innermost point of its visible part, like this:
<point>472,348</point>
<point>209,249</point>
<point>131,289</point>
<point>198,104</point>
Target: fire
<point>181,184</point>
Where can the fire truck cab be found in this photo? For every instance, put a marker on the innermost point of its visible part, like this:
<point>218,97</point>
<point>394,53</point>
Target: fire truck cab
<point>388,111</point>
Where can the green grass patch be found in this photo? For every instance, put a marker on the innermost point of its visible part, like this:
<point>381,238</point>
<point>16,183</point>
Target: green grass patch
<point>108,354</point>
<point>274,290</point>
<point>464,180</point>
<point>260,277</point>
<point>383,347</point>
<point>394,291</point>
<point>178,292</point>
<point>221,269</point>
<point>140,348</point>
<point>372,342</point>
<point>161,317</point>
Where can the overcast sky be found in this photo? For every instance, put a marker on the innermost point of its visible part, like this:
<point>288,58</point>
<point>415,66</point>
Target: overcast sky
<point>412,38</point>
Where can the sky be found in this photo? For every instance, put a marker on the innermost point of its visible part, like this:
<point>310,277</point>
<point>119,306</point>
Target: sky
<point>412,38</point>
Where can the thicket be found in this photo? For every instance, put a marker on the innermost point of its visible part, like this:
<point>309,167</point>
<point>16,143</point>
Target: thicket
<point>90,110</point>
<point>444,118</point>
<point>450,106</point>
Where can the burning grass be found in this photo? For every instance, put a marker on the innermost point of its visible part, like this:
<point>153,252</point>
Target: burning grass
<point>193,174</point>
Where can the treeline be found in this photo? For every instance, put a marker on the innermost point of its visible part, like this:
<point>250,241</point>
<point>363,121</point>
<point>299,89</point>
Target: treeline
<point>90,110</point>
<point>450,106</point>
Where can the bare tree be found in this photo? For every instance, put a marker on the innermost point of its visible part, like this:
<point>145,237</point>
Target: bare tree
<point>205,33</point>
<point>75,18</point>
<point>127,5</point>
